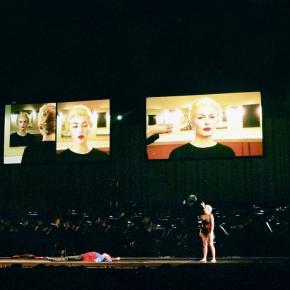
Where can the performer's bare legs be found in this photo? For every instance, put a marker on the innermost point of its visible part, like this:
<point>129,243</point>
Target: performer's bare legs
<point>204,248</point>
<point>207,242</point>
<point>212,248</point>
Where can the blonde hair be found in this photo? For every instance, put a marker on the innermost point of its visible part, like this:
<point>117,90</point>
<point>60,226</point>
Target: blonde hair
<point>208,208</point>
<point>80,110</point>
<point>46,118</point>
<point>205,102</point>
<point>22,115</point>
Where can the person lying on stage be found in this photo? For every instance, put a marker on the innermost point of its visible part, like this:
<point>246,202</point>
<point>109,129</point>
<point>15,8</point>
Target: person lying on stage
<point>87,257</point>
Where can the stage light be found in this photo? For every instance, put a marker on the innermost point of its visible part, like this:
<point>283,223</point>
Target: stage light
<point>119,117</point>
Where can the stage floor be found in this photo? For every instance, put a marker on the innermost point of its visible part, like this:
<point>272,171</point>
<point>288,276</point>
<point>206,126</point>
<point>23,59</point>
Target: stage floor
<point>147,273</point>
<point>147,262</point>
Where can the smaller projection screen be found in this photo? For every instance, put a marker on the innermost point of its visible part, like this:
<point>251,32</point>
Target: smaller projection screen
<point>201,127</point>
<point>57,132</point>
<point>22,130</point>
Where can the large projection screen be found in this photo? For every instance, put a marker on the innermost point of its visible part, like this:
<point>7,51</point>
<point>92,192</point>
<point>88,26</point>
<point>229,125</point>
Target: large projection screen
<point>211,126</point>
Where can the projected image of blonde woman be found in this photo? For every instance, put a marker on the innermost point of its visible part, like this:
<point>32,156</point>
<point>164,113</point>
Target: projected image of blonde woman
<point>21,137</point>
<point>204,116</point>
<point>80,123</point>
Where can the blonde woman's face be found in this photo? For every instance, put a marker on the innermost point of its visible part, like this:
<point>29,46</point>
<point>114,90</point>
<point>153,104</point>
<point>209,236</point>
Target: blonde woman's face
<point>205,121</point>
<point>22,124</point>
<point>79,128</point>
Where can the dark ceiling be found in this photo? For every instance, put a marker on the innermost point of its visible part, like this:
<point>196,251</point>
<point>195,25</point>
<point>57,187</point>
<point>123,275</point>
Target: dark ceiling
<point>127,50</point>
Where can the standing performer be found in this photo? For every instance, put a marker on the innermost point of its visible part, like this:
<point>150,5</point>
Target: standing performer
<point>207,232</point>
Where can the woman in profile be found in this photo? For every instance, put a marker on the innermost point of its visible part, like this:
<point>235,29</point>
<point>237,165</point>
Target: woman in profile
<point>21,137</point>
<point>80,124</point>
<point>207,232</point>
<point>44,151</point>
<point>204,116</point>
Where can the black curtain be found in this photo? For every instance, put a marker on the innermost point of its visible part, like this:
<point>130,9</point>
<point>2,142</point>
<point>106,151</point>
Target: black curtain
<point>160,183</point>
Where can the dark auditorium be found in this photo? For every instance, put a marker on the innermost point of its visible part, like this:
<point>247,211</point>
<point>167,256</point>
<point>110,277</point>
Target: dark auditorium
<point>145,145</point>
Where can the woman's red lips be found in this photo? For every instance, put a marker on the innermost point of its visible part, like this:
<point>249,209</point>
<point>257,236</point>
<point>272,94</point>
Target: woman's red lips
<point>81,136</point>
<point>207,129</point>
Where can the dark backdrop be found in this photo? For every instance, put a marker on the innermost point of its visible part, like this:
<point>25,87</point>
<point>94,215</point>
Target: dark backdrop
<point>127,50</point>
<point>152,183</point>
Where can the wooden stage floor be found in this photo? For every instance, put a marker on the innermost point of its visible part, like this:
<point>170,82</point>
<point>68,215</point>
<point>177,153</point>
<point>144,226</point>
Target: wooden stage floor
<point>141,262</point>
<point>147,273</point>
